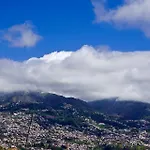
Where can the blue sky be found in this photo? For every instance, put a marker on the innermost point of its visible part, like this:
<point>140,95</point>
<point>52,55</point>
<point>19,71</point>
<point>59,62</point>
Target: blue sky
<point>60,28</point>
<point>65,25</point>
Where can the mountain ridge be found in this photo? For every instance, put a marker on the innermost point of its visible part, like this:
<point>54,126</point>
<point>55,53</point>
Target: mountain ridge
<point>125,109</point>
<point>128,109</point>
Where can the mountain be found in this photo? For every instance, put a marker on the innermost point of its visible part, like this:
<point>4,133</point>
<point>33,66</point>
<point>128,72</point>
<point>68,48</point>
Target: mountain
<point>37,100</point>
<point>51,108</point>
<point>41,100</point>
<point>126,109</point>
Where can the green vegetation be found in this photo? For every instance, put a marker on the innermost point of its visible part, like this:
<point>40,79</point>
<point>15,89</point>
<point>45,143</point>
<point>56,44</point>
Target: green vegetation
<point>1,148</point>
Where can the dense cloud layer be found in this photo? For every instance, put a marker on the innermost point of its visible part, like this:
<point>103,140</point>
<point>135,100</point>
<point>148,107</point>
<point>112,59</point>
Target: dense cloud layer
<point>87,73</point>
<point>132,14</point>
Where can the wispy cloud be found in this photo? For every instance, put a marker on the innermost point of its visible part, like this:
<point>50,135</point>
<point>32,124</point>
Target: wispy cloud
<point>132,14</point>
<point>87,73</point>
<point>22,35</point>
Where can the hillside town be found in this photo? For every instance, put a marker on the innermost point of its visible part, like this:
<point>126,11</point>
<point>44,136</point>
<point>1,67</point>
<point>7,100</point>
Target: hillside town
<point>23,131</point>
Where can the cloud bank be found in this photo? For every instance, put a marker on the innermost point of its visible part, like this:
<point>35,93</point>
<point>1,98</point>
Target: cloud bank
<point>87,73</point>
<point>22,35</point>
<point>132,14</point>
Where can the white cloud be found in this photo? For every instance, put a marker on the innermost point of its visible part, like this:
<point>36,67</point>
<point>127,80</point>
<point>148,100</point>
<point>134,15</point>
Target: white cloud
<point>132,14</point>
<point>22,35</point>
<point>88,74</point>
